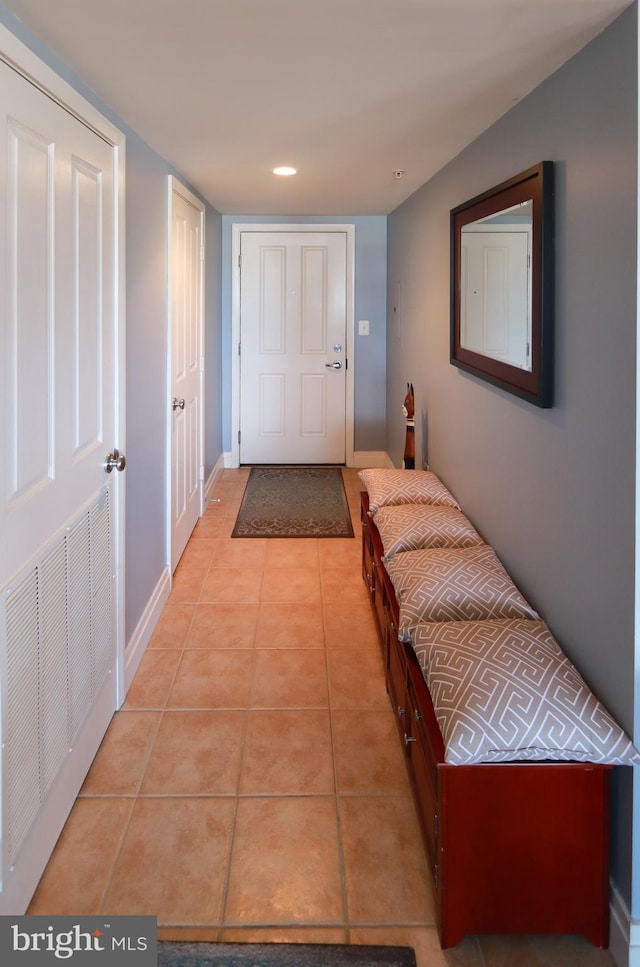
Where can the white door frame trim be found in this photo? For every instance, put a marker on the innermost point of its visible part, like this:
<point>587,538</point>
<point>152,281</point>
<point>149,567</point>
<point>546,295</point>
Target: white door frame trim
<point>236,230</point>
<point>177,187</point>
<point>23,60</point>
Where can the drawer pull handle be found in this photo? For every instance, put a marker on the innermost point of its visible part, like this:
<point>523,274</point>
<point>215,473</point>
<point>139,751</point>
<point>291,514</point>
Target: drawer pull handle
<point>408,739</point>
<point>400,711</point>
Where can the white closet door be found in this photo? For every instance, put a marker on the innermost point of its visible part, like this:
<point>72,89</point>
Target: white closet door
<point>57,503</point>
<point>186,324</point>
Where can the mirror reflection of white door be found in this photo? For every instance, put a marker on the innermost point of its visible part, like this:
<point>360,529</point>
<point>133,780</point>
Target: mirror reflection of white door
<point>495,295</point>
<point>186,258</point>
<point>60,586</point>
<point>293,347</point>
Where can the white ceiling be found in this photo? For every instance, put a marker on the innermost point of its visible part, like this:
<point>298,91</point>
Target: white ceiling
<point>347,91</point>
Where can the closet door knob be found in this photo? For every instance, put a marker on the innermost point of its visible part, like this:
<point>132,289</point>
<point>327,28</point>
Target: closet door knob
<point>114,461</point>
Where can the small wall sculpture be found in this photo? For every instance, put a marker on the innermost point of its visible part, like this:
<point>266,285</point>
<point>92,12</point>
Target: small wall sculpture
<point>409,462</point>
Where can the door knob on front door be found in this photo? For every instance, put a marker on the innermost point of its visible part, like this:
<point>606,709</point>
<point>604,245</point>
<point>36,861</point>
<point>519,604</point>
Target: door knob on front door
<point>115,461</point>
<point>177,404</point>
<point>336,365</point>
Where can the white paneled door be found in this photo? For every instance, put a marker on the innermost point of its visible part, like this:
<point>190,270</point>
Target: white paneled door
<point>293,347</point>
<point>58,503</point>
<point>495,295</point>
<point>186,366</point>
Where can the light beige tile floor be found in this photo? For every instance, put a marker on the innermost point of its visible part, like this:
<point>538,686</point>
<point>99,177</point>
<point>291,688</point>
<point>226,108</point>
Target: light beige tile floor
<point>253,787</point>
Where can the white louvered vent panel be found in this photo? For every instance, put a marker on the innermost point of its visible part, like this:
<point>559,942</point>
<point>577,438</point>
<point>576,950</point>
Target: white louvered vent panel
<point>102,639</point>
<point>79,621</point>
<point>58,648</point>
<point>22,747</point>
<point>54,671</point>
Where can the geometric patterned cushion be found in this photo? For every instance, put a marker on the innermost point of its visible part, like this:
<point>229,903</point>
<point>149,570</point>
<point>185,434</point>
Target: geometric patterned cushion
<point>387,486</point>
<point>409,527</point>
<point>505,691</point>
<point>462,584</point>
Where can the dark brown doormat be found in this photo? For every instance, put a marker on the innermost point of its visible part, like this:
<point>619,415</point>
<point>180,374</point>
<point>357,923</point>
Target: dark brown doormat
<point>294,502</point>
<point>281,955</point>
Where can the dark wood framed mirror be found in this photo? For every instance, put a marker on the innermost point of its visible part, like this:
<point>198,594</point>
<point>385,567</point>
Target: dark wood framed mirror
<point>502,285</point>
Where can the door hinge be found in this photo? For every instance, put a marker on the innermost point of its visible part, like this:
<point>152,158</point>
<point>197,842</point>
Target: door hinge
<point>238,437</point>
<point>239,345</point>
<point>346,364</point>
<point>201,473</point>
<point>202,253</point>
<point>240,261</point>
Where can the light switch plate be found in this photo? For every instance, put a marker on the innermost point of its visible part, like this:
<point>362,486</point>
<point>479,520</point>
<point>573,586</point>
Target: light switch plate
<point>363,327</point>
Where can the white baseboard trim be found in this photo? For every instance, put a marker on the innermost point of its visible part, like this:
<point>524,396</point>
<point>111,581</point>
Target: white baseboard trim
<point>371,458</point>
<point>361,458</point>
<point>137,644</point>
<point>624,943</point>
<point>213,477</point>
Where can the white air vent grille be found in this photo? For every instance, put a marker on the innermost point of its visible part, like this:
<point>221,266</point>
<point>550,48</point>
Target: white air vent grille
<point>79,621</point>
<point>53,684</point>
<point>22,752</point>
<point>101,618</point>
<point>59,649</point>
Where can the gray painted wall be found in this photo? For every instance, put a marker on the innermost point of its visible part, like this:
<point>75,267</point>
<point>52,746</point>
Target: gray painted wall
<point>370,303</point>
<point>146,360</point>
<point>146,343</point>
<point>552,490</point>
<point>147,348</point>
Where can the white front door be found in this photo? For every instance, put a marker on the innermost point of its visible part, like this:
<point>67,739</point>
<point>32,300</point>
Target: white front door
<point>293,347</point>
<point>186,367</point>
<point>58,506</point>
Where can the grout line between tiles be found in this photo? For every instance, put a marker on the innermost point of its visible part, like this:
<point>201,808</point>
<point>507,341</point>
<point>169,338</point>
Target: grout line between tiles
<point>116,859</point>
<point>114,866</point>
<point>339,831</point>
<point>232,830</point>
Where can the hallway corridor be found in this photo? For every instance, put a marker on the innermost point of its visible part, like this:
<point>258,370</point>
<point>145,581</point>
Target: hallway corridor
<point>253,787</point>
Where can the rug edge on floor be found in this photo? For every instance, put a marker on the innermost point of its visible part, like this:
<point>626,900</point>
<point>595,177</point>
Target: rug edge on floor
<point>203,954</point>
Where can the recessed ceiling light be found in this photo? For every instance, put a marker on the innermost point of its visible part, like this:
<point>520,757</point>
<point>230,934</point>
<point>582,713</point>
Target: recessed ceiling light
<point>285,170</point>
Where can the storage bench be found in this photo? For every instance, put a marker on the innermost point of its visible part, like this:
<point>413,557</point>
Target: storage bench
<point>514,847</point>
